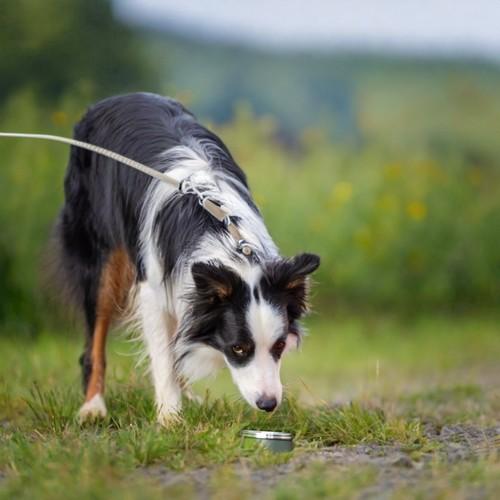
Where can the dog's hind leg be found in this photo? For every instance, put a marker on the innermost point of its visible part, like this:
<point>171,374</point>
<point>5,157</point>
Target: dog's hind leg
<point>94,366</point>
<point>114,283</point>
<point>158,329</point>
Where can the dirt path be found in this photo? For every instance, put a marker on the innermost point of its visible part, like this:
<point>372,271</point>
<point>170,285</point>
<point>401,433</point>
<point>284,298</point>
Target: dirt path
<point>395,468</point>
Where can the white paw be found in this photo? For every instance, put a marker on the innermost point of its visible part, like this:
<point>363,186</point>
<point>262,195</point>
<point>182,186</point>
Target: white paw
<point>169,414</point>
<point>93,409</point>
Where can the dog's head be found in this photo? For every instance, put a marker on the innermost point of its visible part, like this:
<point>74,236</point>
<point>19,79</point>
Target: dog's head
<point>252,319</point>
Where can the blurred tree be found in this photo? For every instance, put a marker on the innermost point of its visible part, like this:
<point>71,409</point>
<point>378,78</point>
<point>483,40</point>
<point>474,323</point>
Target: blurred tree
<point>62,45</point>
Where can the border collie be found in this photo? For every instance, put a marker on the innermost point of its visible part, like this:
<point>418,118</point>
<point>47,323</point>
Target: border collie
<point>126,238</point>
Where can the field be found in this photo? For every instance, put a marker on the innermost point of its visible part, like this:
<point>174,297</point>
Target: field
<point>387,168</point>
<point>378,406</point>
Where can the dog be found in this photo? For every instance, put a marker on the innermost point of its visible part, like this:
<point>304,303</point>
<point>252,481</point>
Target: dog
<point>126,240</point>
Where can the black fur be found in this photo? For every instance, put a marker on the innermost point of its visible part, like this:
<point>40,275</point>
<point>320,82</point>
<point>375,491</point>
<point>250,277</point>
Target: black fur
<point>103,200</point>
<point>220,299</point>
<point>285,284</point>
<point>219,304</point>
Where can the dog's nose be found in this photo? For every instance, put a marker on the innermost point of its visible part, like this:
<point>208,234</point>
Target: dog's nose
<point>266,404</point>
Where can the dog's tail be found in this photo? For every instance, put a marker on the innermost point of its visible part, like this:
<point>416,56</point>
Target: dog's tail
<point>57,279</point>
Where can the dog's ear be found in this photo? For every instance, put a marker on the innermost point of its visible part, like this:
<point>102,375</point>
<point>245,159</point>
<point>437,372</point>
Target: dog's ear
<point>289,280</point>
<point>215,282</point>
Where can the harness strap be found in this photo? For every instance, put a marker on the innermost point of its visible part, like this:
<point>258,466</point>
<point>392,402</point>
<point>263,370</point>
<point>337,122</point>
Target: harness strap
<point>219,212</point>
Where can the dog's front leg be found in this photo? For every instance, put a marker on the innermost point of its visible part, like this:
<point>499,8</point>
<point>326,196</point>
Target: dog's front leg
<point>157,339</point>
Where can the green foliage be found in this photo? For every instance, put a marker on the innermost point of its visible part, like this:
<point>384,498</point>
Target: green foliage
<point>59,46</point>
<point>403,228</point>
<point>403,219</point>
<point>31,182</point>
<point>388,168</point>
<point>400,230</point>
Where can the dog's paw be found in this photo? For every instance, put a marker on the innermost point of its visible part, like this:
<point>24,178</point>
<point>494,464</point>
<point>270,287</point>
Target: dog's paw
<point>93,410</point>
<point>168,418</point>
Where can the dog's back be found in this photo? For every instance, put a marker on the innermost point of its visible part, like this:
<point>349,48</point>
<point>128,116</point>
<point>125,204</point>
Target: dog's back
<point>98,230</point>
<point>103,199</point>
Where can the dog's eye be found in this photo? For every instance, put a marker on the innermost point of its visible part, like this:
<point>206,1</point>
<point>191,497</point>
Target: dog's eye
<point>239,350</point>
<point>278,347</point>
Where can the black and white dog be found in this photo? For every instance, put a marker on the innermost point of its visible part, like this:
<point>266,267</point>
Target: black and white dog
<point>127,238</point>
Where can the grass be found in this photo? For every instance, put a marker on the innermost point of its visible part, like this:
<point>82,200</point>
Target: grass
<point>386,378</point>
<point>402,219</point>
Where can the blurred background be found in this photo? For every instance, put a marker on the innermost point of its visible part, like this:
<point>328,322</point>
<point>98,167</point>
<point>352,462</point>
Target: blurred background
<point>369,132</point>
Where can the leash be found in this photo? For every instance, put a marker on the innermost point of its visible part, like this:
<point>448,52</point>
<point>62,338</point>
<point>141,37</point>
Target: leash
<point>185,186</point>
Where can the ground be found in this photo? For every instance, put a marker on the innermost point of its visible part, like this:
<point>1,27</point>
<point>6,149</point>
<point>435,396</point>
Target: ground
<point>380,407</point>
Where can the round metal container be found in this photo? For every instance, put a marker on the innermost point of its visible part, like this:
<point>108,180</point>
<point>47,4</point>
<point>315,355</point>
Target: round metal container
<point>278,442</point>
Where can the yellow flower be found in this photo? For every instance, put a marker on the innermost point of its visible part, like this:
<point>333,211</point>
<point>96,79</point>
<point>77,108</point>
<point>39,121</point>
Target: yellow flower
<point>416,210</point>
<point>342,192</point>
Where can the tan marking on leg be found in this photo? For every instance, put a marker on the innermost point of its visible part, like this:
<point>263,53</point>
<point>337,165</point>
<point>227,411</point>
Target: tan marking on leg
<point>116,279</point>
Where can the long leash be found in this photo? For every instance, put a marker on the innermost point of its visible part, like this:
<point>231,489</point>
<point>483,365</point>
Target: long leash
<point>186,186</point>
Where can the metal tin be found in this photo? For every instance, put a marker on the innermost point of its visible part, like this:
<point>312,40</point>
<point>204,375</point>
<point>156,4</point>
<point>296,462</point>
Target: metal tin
<point>277,442</point>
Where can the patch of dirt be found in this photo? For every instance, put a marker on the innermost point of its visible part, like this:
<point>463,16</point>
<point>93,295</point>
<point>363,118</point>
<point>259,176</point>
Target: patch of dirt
<point>462,442</point>
<point>396,467</point>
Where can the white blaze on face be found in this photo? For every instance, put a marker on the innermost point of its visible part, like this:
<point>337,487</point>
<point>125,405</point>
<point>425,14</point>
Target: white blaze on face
<point>261,376</point>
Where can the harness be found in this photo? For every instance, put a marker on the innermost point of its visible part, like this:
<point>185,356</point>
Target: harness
<point>187,186</point>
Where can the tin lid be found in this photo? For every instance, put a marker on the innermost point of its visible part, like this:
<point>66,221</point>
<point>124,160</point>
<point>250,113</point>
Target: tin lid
<point>284,436</point>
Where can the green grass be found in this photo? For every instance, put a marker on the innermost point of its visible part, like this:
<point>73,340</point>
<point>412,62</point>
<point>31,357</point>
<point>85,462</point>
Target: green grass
<point>386,377</point>
<point>403,220</point>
